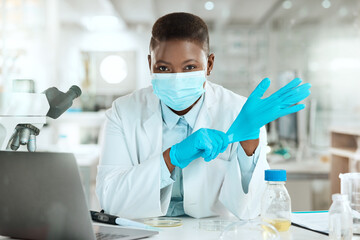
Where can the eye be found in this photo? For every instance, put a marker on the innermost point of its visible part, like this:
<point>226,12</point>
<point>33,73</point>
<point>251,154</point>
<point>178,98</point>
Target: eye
<point>163,68</point>
<point>190,67</point>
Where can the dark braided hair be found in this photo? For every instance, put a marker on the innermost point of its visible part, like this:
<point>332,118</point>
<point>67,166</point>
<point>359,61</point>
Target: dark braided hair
<point>180,26</point>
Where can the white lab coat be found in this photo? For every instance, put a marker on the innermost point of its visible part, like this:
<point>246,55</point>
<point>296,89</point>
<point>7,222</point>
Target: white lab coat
<point>128,180</point>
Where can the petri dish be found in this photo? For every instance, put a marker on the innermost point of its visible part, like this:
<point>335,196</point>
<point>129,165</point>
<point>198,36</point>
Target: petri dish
<point>250,230</point>
<point>162,222</point>
<point>214,225</point>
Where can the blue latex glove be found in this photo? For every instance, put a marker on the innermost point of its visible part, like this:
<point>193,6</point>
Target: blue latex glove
<point>257,112</point>
<point>206,143</point>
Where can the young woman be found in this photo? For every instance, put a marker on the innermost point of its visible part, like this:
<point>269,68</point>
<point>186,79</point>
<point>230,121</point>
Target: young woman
<point>169,150</point>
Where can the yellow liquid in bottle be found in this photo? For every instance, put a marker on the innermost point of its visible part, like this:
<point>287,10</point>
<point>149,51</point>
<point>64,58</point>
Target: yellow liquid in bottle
<point>281,225</point>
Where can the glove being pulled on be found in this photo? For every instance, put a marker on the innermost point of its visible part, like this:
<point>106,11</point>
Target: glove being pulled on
<point>206,143</point>
<point>257,112</point>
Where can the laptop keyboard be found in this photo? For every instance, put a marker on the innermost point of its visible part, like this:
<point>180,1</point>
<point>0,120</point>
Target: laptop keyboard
<point>108,236</point>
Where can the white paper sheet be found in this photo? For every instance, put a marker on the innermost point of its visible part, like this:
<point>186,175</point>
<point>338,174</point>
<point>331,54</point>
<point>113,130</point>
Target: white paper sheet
<point>318,221</point>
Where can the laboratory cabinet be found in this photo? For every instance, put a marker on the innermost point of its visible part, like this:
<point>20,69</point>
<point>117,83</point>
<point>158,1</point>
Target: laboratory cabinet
<point>345,153</point>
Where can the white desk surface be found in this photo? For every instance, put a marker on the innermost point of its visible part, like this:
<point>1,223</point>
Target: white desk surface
<point>190,230</point>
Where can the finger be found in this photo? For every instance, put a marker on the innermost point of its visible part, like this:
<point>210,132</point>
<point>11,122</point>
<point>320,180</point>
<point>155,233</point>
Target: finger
<point>225,141</point>
<point>285,89</point>
<point>202,143</point>
<point>295,99</point>
<point>291,110</point>
<point>296,91</point>
<point>260,89</point>
<point>292,84</point>
<point>205,147</point>
<point>296,95</point>
<point>207,155</point>
<point>216,142</point>
<point>291,97</point>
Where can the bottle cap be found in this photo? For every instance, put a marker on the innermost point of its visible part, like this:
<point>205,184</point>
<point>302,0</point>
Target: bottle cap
<point>275,175</point>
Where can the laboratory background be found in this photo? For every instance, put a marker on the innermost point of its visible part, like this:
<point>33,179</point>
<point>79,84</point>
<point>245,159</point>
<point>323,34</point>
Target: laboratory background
<point>102,47</point>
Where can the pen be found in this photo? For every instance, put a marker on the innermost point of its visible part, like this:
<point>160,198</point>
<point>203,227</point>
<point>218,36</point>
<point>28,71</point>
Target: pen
<point>115,220</point>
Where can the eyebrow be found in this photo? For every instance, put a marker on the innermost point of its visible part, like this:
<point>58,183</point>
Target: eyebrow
<point>190,60</point>
<point>162,61</point>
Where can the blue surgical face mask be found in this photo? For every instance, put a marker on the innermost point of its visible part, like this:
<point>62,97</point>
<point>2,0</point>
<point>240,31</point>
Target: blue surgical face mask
<point>178,90</point>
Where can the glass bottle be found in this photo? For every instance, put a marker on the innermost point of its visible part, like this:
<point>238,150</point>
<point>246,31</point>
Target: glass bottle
<point>276,202</point>
<point>340,218</point>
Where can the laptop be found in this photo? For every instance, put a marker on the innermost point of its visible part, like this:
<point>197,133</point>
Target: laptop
<point>41,197</point>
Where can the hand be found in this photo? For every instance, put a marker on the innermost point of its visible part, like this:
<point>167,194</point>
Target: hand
<point>257,112</point>
<point>206,143</point>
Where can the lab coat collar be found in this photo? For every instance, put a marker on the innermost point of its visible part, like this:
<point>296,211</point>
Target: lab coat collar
<point>169,117</point>
<point>204,119</point>
<point>210,95</point>
<point>152,124</point>
<point>193,114</point>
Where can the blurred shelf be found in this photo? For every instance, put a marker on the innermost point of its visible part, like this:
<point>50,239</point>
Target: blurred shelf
<point>344,152</point>
<point>355,131</point>
<point>304,170</point>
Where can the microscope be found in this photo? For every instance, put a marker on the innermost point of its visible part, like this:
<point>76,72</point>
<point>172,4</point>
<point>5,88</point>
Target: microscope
<point>22,115</point>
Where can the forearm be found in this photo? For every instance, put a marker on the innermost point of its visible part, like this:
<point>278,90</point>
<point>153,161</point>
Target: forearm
<point>250,146</point>
<point>166,155</point>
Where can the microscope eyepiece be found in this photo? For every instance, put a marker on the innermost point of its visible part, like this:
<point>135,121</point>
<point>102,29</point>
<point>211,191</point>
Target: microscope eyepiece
<point>76,90</point>
<point>59,102</point>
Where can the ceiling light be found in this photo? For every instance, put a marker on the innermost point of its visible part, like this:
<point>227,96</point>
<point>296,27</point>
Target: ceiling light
<point>287,4</point>
<point>209,5</point>
<point>113,69</point>
<point>326,4</point>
